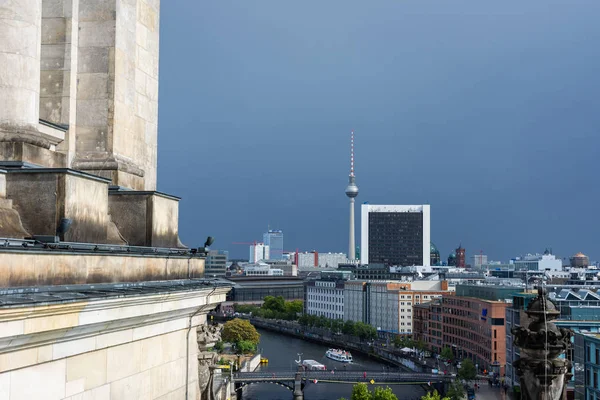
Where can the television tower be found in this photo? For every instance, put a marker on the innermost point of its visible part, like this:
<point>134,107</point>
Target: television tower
<point>351,192</point>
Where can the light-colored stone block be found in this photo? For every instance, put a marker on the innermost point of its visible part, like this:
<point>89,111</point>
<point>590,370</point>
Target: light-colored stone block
<point>11,328</point>
<point>5,385</point>
<point>97,33</point>
<point>93,60</point>
<point>17,359</point>
<point>22,385</point>
<point>73,347</point>
<point>44,353</point>
<point>114,338</point>
<point>93,86</point>
<point>123,361</point>
<point>74,387</point>
<point>92,113</point>
<point>90,368</point>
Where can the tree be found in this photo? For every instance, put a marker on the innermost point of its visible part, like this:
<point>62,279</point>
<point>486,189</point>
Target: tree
<point>294,307</point>
<point>336,325</point>
<point>383,394</point>
<point>245,346</point>
<point>274,303</point>
<point>360,392</point>
<point>447,353</point>
<point>467,370</point>
<point>219,346</point>
<point>236,330</point>
<point>456,391</point>
<point>433,396</point>
<point>349,328</point>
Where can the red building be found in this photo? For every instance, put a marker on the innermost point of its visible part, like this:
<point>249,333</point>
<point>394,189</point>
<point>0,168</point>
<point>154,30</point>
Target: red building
<point>460,257</point>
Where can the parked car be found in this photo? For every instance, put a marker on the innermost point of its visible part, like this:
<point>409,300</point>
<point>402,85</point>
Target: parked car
<point>470,394</point>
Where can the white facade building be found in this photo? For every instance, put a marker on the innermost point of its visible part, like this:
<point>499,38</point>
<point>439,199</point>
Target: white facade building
<point>258,252</point>
<point>477,260</point>
<point>382,225</point>
<point>326,298</point>
<point>538,262</point>
<point>332,260</point>
<point>308,259</point>
<point>262,270</point>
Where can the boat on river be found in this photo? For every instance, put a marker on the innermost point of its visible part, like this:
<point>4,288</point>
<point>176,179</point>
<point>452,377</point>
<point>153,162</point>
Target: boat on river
<point>310,365</point>
<point>339,355</point>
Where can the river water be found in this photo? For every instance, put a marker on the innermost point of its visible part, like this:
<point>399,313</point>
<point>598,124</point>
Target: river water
<point>282,350</point>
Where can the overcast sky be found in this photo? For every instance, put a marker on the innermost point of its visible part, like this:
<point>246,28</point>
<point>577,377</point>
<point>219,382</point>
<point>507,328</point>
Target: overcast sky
<point>488,111</point>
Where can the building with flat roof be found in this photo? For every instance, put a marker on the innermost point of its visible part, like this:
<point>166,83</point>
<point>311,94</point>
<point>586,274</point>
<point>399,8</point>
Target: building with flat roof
<point>274,239</point>
<point>388,305</point>
<point>253,289</point>
<point>537,262</point>
<point>216,263</point>
<point>325,296</point>
<point>491,289</point>
<point>395,234</point>
<point>259,252</point>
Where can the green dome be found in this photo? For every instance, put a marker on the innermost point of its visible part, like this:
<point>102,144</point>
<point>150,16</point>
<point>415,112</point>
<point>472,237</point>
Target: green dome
<point>433,248</point>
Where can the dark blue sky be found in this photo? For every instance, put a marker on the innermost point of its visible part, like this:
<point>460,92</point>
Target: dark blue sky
<point>488,111</point>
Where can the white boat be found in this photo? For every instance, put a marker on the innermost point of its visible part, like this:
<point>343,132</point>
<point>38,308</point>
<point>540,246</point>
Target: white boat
<point>339,355</point>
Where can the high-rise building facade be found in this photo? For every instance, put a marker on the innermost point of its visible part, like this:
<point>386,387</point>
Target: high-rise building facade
<point>259,252</point>
<point>274,239</point>
<point>395,234</point>
<point>216,263</point>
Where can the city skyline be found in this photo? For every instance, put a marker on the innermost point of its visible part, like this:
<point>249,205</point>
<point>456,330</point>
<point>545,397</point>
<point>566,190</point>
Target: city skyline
<point>484,111</point>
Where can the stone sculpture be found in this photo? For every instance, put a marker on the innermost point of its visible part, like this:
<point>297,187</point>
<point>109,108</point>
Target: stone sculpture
<point>207,337</point>
<point>542,374</point>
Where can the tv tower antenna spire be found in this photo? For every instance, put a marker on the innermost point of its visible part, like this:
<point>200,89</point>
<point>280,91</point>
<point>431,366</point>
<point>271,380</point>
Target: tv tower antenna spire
<point>351,192</point>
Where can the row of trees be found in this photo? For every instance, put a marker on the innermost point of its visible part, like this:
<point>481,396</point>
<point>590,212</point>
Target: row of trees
<point>273,308</point>
<point>404,341</point>
<point>359,329</point>
<point>360,391</point>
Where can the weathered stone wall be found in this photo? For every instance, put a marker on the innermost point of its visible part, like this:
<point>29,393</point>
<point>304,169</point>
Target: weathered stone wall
<point>29,268</point>
<point>117,96</point>
<point>137,347</point>
<point>20,27</point>
<point>42,197</point>
<point>58,76</point>
<point>145,218</point>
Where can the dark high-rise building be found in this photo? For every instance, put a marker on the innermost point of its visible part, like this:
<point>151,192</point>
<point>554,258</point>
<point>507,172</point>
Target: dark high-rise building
<point>460,257</point>
<point>395,235</point>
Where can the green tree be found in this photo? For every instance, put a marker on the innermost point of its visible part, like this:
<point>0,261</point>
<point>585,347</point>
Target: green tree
<point>236,330</point>
<point>349,328</point>
<point>383,394</point>
<point>467,370</point>
<point>456,391</point>
<point>294,307</point>
<point>447,353</point>
<point>274,303</point>
<point>360,392</point>
<point>336,325</point>
<point>219,346</point>
<point>245,347</point>
<point>433,396</point>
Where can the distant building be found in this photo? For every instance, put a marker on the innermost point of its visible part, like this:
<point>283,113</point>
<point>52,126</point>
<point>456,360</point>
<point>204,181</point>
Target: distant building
<point>325,296</point>
<point>253,289</point>
<point>388,305</point>
<point>308,259</point>
<point>478,260</point>
<point>461,257</point>
<point>395,234</point>
<point>262,270</point>
<point>587,366</point>
<point>289,269</point>
<point>537,262</point>
<point>332,260</point>
<point>434,255</point>
<point>216,263</point>
<point>274,239</point>
<point>452,259</point>
<point>259,252</point>
<point>580,260</point>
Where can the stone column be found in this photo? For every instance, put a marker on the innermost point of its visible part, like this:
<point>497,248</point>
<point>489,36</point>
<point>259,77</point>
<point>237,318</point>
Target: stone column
<point>117,94</point>
<point>20,30</point>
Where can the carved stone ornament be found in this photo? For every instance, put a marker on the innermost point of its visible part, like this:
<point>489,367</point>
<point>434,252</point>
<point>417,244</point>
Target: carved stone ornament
<point>542,374</point>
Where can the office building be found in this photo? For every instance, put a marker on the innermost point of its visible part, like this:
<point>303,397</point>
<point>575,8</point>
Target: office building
<point>474,329</point>
<point>254,289</point>
<point>387,305</point>
<point>259,252</point>
<point>478,260</point>
<point>395,234</point>
<point>325,296</point>
<point>274,239</point>
<point>216,263</point>
<point>322,260</point>
<point>538,262</point>
<point>261,269</point>
<point>587,366</point>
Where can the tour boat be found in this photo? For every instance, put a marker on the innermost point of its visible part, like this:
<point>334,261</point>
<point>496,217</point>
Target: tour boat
<point>312,365</point>
<point>339,355</point>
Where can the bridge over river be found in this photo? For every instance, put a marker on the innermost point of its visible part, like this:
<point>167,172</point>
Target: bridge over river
<point>296,381</point>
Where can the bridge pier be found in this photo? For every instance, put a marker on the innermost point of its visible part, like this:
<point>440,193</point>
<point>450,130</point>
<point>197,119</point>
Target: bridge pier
<point>298,393</point>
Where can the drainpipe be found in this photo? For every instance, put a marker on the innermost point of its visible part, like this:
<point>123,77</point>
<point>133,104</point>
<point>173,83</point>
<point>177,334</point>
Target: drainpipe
<point>187,342</point>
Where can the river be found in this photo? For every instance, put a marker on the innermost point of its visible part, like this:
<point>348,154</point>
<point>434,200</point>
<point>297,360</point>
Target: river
<point>282,350</point>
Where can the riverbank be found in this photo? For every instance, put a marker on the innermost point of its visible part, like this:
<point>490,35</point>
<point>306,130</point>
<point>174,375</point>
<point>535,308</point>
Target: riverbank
<point>323,336</point>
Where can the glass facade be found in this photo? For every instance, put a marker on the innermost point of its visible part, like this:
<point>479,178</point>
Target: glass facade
<point>274,239</point>
<point>216,263</point>
<point>396,238</point>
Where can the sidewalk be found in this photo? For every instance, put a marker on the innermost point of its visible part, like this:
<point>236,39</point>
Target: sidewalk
<point>485,392</point>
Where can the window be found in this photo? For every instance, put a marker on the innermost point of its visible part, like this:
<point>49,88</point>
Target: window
<point>495,344</point>
<point>597,355</point>
<point>595,379</point>
<point>495,334</point>
<point>587,354</point>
